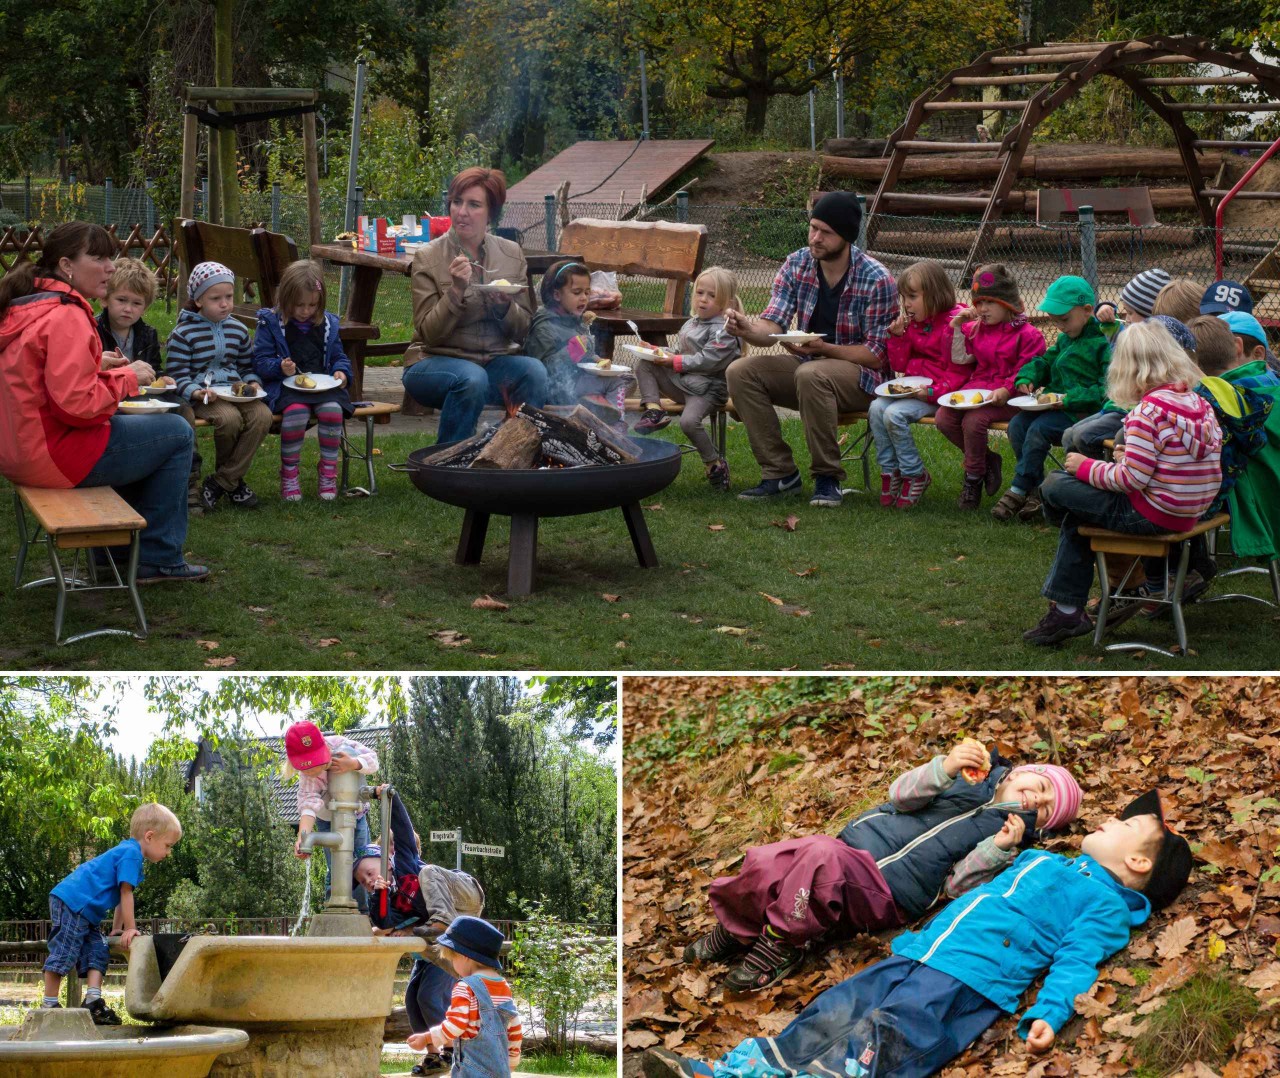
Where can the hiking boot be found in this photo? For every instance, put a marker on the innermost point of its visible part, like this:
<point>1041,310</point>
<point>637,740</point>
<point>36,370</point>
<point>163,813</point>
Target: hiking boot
<point>826,492</point>
<point>1008,505</point>
<point>660,1063</point>
<point>890,487</point>
<point>994,475</point>
<point>1056,627</point>
<point>653,419</point>
<point>193,493</point>
<point>769,961</point>
<point>913,487</point>
<point>715,946</point>
<point>242,497</point>
<point>290,487</point>
<point>971,492</point>
<point>1193,587</point>
<point>162,574</point>
<point>101,1014</point>
<point>718,474</point>
<point>327,481</point>
<point>771,488</point>
<point>1031,508</point>
<point>210,494</point>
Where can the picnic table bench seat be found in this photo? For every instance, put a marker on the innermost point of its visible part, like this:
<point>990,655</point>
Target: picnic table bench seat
<point>80,519</point>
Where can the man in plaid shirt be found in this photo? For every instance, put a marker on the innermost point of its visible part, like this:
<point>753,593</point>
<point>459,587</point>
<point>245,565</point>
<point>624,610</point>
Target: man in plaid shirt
<point>832,288</point>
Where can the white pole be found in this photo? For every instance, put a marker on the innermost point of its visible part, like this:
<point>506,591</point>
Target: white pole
<point>458,865</point>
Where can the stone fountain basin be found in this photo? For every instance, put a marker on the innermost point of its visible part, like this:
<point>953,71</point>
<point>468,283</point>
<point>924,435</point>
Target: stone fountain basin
<point>259,979</point>
<point>185,1051</point>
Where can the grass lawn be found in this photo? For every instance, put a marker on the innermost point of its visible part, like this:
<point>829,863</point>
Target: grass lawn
<point>363,584</point>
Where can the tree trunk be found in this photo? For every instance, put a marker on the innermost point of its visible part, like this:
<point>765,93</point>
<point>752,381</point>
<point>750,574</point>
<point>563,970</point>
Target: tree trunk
<point>229,187</point>
<point>757,97</point>
<point>517,444</point>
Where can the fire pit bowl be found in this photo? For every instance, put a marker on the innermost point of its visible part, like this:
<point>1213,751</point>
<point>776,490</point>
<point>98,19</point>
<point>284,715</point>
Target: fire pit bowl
<point>527,494</point>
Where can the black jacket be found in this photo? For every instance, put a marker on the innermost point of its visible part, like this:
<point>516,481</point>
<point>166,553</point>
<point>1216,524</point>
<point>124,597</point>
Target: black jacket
<point>146,342</point>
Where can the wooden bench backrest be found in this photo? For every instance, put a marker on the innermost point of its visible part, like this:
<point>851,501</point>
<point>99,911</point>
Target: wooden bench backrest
<point>661,249</point>
<point>1055,204</point>
<point>252,254</point>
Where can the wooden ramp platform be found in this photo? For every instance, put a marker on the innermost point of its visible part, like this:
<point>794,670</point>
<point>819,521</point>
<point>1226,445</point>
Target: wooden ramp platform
<point>611,172</point>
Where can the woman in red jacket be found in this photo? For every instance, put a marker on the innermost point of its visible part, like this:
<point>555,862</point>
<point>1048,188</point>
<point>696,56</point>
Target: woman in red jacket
<point>58,420</point>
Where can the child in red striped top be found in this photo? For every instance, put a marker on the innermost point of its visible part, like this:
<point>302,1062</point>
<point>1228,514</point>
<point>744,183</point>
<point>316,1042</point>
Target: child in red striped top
<point>482,1024</point>
<point>1164,478</point>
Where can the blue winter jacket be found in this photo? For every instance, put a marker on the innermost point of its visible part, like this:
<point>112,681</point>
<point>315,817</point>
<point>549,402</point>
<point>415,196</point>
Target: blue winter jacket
<point>270,348</point>
<point>1044,912</point>
<point>916,851</point>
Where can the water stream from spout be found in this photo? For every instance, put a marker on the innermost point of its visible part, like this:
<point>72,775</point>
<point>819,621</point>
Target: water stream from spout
<point>306,904</point>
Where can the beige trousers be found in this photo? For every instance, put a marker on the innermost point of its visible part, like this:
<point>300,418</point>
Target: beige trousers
<point>238,430</point>
<point>821,389</point>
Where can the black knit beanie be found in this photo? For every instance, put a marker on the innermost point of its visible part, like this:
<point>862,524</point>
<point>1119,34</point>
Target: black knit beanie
<point>841,211</point>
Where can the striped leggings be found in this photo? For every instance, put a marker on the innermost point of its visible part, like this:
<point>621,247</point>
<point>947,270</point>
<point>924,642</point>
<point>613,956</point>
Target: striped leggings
<point>293,426</point>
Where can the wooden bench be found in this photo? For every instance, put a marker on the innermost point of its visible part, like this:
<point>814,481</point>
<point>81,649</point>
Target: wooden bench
<point>1103,542</point>
<point>260,257</point>
<point>662,249</point>
<point>377,412</point>
<point>80,519</point>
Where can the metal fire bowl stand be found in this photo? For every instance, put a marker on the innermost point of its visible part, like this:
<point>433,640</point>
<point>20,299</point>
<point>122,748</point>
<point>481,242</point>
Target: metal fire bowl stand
<point>525,495</point>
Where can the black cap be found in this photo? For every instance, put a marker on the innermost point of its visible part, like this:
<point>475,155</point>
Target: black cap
<point>841,211</point>
<point>1171,866</point>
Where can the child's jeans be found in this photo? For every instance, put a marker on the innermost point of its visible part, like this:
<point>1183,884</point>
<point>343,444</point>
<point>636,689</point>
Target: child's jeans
<point>74,941</point>
<point>894,1019</point>
<point>967,430</point>
<point>358,893</point>
<point>1088,435</point>
<point>1070,502</point>
<point>238,430</point>
<point>804,888</point>
<point>656,383</point>
<point>890,422</point>
<point>427,995</point>
<point>1032,435</point>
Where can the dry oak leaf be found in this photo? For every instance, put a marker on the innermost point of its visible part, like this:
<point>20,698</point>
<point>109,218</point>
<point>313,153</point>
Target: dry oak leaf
<point>226,660</point>
<point>328,642</point>
<point>731,630</point>
<point>1267,976</point>
<point>790,524</point>
<point>609,598</point>
<point>1090,1007</point>
<point>208,645</point>
<point>673,1039</point>
<point>715,527</point>
<point>488,602</point>
<point>640,1038</point>
<point>1172,974</point>
<point>771,598</point>
<point>1174,940</point>
<point>450,638</point>
<point>804,572</point>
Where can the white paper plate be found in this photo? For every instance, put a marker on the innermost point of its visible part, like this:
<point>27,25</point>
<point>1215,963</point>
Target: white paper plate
<point>915,381</point>
<point>324,382</point>
<point>499,289</point>
<point>964,399</point>
<point>1028,403</point>
<point>646,353</point>
<point>614,371</point>
<point>795,336</point>
<point>223,392</point>
<point>141,407</point>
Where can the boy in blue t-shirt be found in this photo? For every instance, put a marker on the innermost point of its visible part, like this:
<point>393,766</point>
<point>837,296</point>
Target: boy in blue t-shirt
<point>946,983</point>
<point>83,899</point>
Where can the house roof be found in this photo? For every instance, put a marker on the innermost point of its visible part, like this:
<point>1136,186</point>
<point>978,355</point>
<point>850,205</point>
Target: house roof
<point>208,758</point>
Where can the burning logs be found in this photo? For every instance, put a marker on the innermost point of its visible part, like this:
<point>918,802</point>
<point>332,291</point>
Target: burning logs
<point>533,438</point>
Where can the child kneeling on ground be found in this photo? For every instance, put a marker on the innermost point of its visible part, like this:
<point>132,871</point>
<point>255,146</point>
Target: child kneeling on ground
<point>83,899</point>
<point>1164,479</point>
<point>948,825</point>
<point>920,345</point>
<point>945,985</point>
<point>482,1025</point>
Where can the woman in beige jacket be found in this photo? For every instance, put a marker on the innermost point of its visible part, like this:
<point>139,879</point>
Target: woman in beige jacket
<point>467,343</point>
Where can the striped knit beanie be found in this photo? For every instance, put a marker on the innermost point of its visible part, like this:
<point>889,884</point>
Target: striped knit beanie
<point>1067,794</point>
<point>205,276</point>
<point>1139,295</point>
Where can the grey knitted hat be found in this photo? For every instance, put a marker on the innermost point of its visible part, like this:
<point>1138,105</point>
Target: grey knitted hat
<point>1139,295</point>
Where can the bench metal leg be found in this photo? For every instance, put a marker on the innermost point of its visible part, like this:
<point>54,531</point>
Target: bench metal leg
<point>1179,622</point>
<point>859,451</point>
<point>721,420</point>
<point>23,542</point>
<point>1100,628</point>
<point>349,451</point>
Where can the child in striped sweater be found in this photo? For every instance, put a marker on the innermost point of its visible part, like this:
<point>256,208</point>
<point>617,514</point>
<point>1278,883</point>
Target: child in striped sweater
<point>1163,480</point>
<point>208,347</point>
<point>482,1024</point>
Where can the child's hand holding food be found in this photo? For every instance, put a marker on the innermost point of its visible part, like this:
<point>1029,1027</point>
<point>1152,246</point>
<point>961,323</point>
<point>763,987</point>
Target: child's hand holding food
<point>1011,833</point>
<point>968,314</point>
<point>898,326</point>
<point>970,757</point>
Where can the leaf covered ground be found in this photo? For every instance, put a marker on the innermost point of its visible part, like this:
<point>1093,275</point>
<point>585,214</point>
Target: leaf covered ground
<point>716,764</point>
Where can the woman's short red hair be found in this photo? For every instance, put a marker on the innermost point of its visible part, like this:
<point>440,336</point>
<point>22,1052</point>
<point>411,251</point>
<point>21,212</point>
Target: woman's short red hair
<point>491,180</point>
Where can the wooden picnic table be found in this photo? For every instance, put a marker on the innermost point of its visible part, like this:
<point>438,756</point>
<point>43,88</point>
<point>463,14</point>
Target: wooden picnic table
<point>367,276</point>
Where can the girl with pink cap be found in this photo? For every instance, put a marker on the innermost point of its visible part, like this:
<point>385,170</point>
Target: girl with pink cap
<point>948,826</point>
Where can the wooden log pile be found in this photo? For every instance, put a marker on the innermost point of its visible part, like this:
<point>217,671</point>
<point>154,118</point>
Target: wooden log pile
<point>1150,164</point>
<point>533,438</point>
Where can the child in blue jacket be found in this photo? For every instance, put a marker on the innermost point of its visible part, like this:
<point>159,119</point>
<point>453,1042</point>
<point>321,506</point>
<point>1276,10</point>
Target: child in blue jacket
<point>949,825</point>
<point>908,1015</point>
<point>298,336</point>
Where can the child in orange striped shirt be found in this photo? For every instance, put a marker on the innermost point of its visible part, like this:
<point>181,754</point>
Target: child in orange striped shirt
<point>482,1024</point>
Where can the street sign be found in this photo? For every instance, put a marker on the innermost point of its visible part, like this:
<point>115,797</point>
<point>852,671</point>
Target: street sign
<point>483,851</point>
<point>444,836</point>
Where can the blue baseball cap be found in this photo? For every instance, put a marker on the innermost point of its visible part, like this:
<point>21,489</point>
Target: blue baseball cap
<point>1246,325</point>
<point>1223,296</point>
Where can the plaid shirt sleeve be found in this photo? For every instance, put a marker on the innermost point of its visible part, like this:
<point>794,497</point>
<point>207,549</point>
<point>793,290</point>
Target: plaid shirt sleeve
<point>879,311</point>
<point>783,302</point>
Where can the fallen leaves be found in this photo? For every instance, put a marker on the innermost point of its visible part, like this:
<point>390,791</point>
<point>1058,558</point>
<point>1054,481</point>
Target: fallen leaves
<point>450,638</point>
<point>610,598</point>
<point>328,642</point>
<point>1174,940</point>
<point>731,630</point>
<point>804,572</point>
<point>208,645</point>
<point>488,602</point>
<point>772,599</point>
<point>715,527</point>
<point>790,524</point>
<point>221,663</point>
